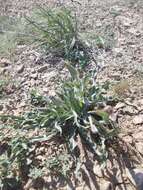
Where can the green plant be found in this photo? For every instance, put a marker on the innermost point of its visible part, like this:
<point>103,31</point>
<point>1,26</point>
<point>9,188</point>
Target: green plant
<point>56,31</point>
<point>59,164</point>
<point>54,165</point>
<point>76,111</point>
<point>13,161</point>
<point>37,99</point>
<point>75,117</point>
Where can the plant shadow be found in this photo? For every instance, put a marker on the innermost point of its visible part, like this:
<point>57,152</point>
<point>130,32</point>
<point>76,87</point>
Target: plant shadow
<point>118,174</point>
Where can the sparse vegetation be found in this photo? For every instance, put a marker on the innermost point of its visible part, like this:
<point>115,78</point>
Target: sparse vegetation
<point>72,135</point>
<point>76,113</point>
<point>56,31</point>
<point>7,85</point>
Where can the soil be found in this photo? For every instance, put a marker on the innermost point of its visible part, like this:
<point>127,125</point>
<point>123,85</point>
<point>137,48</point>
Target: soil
<point>120,23</point>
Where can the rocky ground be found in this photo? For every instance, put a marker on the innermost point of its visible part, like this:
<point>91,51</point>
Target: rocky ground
<point>121,25</point>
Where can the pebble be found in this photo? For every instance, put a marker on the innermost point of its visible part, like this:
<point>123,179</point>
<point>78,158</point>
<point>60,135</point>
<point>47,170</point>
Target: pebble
<point>138,177</point>
<point>1,107</point>
<point>138,119</point>
<point>34,76</point>
<point>20,69</point>
<point>43,68</point>
<point>5,62</point>
<point>120,105</point>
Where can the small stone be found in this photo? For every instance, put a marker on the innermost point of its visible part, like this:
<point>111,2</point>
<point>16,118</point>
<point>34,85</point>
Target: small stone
<point>3,70</point>
<point>4,62</point>
<point>138,177</point>
<point>49,76</point>
<point>126,21</point>
<point>116,76</point>
<point>34,76</point>
<point>98,24</point>
<point>141,101</point>
<point>52,93</point>
<point>139,146</point>
<point>118,52</point>
<point>108,109</point>
<point>130,176</point>
<point>33,71</point>
<point>134,32</point>
<point>128,139</point>
<point>138,135</point>
<point>119,105</point>
<point>43,68</point>
<point>130,110</point>
<point>97,170</point>
<point>20,69</point>
<point>1,107</point>
<point>106,185</point>
<point>138,119</point>
<point>114,117</point>
<point>41,158</point>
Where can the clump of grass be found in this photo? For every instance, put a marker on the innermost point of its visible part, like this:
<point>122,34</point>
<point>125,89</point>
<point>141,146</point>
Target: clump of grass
<point>57,32</point>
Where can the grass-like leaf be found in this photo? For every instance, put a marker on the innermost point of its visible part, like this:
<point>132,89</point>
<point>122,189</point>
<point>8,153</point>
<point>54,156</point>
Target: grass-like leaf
<point>56,31</point>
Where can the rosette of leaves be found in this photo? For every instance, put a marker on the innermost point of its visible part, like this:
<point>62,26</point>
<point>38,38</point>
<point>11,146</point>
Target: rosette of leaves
<point>77,112</point>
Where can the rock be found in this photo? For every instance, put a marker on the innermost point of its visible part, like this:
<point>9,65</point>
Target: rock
<point>52,93</point>
<point>4,62</point>
<point>116,76</point>
<point>33,71</point>
<point>128,139</point>
<point>137,120</point>
<point>125,21</point>
<point>3,70</point>
<point>114,117</point>
<point>106,185</point>
<point>29,185</point>
<point>98,24</point>
<point>108,109</point>
<point>118,52</point>
<point>45,90</point>
<point>134,32</point>
<point>20,69</point>
<point>120,105</point>
<point>49,76</point>
<point>138,135</point>
<point>1,107</point>
<point>130,110</point>
<point>124,186</point>
<point>139,147</point>
<point>34,76</point>
<point>141,102</point>
<point>97,170</point>
<point>43,68</point>
<point>41,158</point>
<point>130,176</point>
<point>138,177</point>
